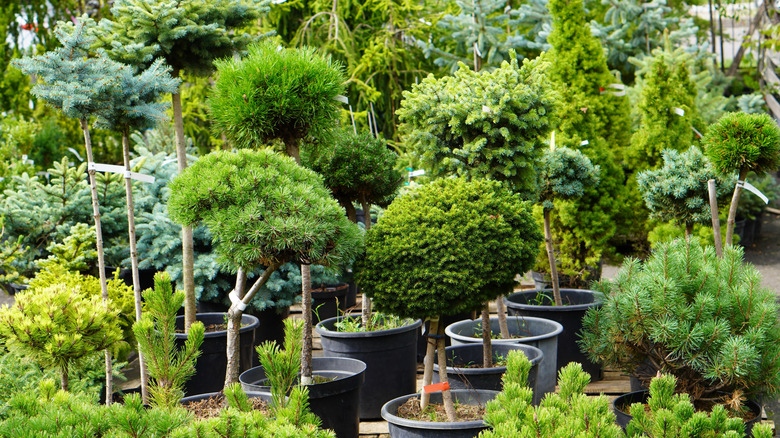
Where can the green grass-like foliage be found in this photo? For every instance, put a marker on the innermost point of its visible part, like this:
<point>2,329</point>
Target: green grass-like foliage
<point>262,208</point>
<point>743,142</point>
<point>481,125</point>
<point>447,248</point>
<point>678,190</point>
<point>282,365</point>
<point>356,167</point>
<point>169,369</point>
<point>565,174</point>
<point>565,414</point>
<point>276,93</point>
<point>686,312</point>
<point>56,325</point>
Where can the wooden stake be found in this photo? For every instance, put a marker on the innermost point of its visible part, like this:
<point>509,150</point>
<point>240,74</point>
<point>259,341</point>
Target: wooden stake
<point>487,338</point>
<point>551,257</point>
<point>430,350</point>
<point>733,207</point>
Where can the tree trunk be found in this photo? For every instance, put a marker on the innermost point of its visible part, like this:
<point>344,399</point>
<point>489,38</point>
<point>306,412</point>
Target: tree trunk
<point>430,350</point>
<point>134,255</point>
<point>551,257</point>
<point>306,372</point>
<point>487,337</point>
<point>187,246</point>
<point>715,218</point>
<point>501,313</point>
<point>365,310</point>
<point>688,230</point>
<point>233,327</point>
<point>733,208</point>
<point>64,377</point>
<point>100,254</point>
<point>292,149</point>
<point>757,19</point>
<point>349,209</point>
<point>446,395</point>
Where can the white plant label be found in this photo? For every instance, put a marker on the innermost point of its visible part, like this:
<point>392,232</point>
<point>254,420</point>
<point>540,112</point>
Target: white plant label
<point>342,99</point>
<point>111,168</point>
<point>485,109</point>
<point>584,143</point>
<point>414,173</point>
<point>552,141</point>
<point>678,111</point>
<point>751,188</point>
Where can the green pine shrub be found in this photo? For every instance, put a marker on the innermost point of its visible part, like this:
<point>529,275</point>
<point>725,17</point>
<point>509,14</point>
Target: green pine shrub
<point>706,320</point>
<point>447,248</point>
<point>57,325</point>
<point>169,369</point>
<point>741,143</point>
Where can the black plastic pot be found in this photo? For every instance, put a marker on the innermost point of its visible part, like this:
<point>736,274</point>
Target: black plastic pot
<point>327,301</point>
<point>538,303</point>
<point>537,332</point>
<point>624,401</point>
<point>403,428</point>
<point>350,300</point>
<point>211,366</point>
<point>389,355</point>
<point>270,328</point>
<point>422,341</point>
<point>461,376</point>
<point>336,403</point>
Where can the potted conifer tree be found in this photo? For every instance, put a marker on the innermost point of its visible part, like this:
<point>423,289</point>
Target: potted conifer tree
<point>564,174</point>
<point>446,248</point>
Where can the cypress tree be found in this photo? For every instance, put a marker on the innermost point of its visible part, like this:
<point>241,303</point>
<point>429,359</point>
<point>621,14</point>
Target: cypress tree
<point>189,36</point>
<point>596,122</point>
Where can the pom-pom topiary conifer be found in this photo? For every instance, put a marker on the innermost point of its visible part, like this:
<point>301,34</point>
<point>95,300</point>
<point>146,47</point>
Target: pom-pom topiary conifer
<point>704,319</point>
<point>261,209</point>
<point>742,143</point>
<point>446,248</point>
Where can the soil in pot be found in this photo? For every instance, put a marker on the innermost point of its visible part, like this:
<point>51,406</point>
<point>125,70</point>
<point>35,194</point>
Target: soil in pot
<point>411,410</point>
<point>210,405</point>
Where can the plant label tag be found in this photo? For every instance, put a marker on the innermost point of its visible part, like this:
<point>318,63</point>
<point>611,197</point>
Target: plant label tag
<point>342,99</point>
<point>679,111</point>
<point>111,168</point>
<point>552,141</point>
<point>485,109</point>
<point>696,131</point>
<point>75,152</point>
<point>584,143</point>
<point>416,173</point>
<point>436,387</point>
<point>751,188</point>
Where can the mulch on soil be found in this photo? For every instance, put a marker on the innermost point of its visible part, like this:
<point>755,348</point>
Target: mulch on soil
<point>212,406</point>
<point>435,411</point>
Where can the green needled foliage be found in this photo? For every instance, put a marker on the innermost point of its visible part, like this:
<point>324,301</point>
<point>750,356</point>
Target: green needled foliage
<point>447,248</point>
<point>263,209</point>
<point>678,190</point>
<point>687,312</point>
<point>565,174</point>
<point>741,142</point>
<point>274,93</point>
<point>169,369</point>
<point>57,324</point>
<point>189,35</point>
<point>481,125</point>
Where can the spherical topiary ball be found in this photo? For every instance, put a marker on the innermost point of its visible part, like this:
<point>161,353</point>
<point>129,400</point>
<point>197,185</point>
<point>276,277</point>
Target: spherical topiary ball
<point>744,142</point>
<point>447,248</point>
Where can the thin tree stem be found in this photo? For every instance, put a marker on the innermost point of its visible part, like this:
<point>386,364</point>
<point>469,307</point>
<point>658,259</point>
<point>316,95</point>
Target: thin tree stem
<point>446,395</point>
<point>733,208</point>
<point>551,257</point>
<point>487,337</point>
<point>306,351</point>
<point>430,350</point>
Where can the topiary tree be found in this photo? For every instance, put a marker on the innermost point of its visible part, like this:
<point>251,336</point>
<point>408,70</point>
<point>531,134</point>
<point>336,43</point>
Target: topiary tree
<point>189,36</point>
<point>447,248</point>
<point>55,326</point>
<point>678,190</point>
<point>743,143</point>
<point>156,334</point>
<point>687,312</point>
<point>262,209</point>
<point>357,168</point>
<point>563,174</point>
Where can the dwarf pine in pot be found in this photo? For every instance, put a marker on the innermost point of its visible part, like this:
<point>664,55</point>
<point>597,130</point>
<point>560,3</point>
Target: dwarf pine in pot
<point>706,320</point>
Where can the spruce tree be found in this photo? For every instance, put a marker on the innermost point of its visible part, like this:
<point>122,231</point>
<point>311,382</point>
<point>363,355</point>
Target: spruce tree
<point>189,36</point>
<point>596,122</point>
<point>80,87</point>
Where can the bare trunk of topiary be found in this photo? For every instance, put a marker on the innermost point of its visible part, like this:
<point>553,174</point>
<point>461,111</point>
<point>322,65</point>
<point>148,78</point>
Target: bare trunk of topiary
<point>100,255</point>
<point>134,255</point>
<point>551,257</point>
<point>64,377</point>
<point>350,209</point>
<point>733,208</point>
<point>715,217</point>
<point>501,313</point>
<point>306,372</point>
<point>292,148</point>
<point>487,337</point>
<point>688,230</point>
<point>430,350</point>
<point>233,327</point>
<point>187,247</point>
<point>446,395</point>
<point>366,302</point>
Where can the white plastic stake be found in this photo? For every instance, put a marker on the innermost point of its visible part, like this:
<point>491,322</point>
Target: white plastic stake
<point>552,141</point>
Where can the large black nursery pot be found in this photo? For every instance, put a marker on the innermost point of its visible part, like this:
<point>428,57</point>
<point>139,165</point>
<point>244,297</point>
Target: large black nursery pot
<point>390,357</point>
<point>539,303</point>
<point>211,366</point>
<point>327,301</point>
<point>621,404</point>
<point>462,375</point>
<point>536,332</point>
<point>403,428</point>
<point>336,402</point>
<point>270,328</point>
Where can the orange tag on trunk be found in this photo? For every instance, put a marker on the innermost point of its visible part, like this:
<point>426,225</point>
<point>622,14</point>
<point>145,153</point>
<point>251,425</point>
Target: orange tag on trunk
<point>436,387</point>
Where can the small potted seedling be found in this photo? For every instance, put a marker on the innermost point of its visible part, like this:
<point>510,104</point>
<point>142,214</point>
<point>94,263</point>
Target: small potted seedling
<point>741,142</point>
<point>443,249</point>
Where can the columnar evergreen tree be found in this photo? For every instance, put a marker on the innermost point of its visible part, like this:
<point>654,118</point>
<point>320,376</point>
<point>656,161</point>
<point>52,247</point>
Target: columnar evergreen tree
<point>80,87</point>
<point>277,94</point>
<point>189,36</point>
<point>563,174</point>
<point>596,122</point>
<point>742,143</point>
<point>262,210</point>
